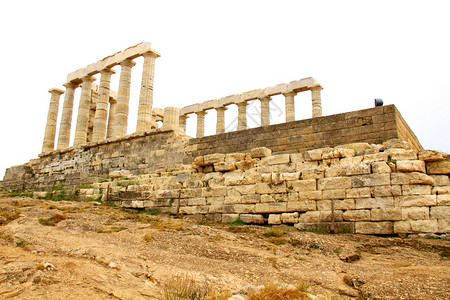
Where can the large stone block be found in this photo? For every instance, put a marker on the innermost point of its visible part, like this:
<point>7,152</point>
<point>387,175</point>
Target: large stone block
<point>229,218</point>
<point>310,195</point>
<point>431,155</point>
<point>167,194</point>
<point>376,157</point>
<point>213,158</point>
<point>313,155</point>
<point>358,193</point>
<point>411,166</point>
<point>374,227</point>
<point>417,189</point>
<point>438,167</point>
<point>415,200</point>
<point>320,216</point>
<point>411,178</point>
<point>274,219</point>
<point>334,183</point>
<point>313,174</point>
<point>234,157</point>
<point>443,199</point>
<point>304,205</point>
<point>224,166</point>
<point>214,191</point>
<point>276,159</point>
<point>370,203</point>
<point>370,180</point>
<point>380,167</point>
<point>333,194</point>
<point>359,169</point>
<point>335,171</point>
<point>443,226</point>
<point>252,218</point>
<point>269,188</point>
<point>387,190</point>
<point>302,185</point>
<point>290,176</point>
<point>386,214</point>
<point>289,218</point>
<point>441,180</point>
<point>357,215</point>
<point>401,154</point>
<point>251,199</point>
<point>263,208</point>
<point>440,212</point>
<point>196,201</point>
<point>347,161</point>
<point>415,213</point>
<point>344,204</point>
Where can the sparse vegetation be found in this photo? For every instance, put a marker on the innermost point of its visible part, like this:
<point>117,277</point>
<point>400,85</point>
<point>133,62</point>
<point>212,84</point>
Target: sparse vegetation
<point>112,229</point>
<point>237,222</point>
<point>185,287</point>
<point>52,221</point>
<point>279,292</point>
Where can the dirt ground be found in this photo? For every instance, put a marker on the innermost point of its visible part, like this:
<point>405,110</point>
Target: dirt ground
<point>84,250</point>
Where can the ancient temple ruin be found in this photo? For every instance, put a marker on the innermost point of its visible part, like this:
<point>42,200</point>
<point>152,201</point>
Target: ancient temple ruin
<point>364,171</point>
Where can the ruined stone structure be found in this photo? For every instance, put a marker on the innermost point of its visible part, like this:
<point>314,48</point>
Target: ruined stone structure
<point>364,171</point>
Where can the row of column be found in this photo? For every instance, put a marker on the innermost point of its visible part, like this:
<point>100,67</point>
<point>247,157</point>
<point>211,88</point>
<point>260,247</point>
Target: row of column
<point>265,112</point>
<point>106,124</point>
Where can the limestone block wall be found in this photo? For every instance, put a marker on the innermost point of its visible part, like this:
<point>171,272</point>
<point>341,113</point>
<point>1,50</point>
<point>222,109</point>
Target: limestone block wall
<point>374,125</point>
<point>362,188</point>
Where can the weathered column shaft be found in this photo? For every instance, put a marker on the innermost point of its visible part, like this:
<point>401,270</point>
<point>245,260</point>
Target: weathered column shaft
<point>66,117</point>
<point>101,111</point>
<point>242,115</point>
<point>182,122</point>
<point>265,111</point>
<point>145,120</point>
<point>83,111</point>
<point>316,101</point>
<point>112,112</point>
<point>200,123</point>
<point>171,118</point>
<point>290,106</point>
<point>123,99</point>
<point>220,126</point>
<point>52,118</point>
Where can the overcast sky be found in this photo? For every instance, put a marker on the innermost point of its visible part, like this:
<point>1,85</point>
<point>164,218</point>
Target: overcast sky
<point>358,50</point>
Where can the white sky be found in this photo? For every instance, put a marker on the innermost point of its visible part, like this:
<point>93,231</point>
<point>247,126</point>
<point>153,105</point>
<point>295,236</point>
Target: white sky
<point>358,50</point>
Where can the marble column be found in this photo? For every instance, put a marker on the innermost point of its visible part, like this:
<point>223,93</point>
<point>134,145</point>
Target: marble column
<point>316,101</point>
<point>123,99</point>
<point>145,120</point>
<point>242,115</point>
<point>265,111</point>
<point>201,123</point>
<point>101,110</point>
<point>220,126</point>
<point>171,118</point>
<point>52,118</point>
<point>182,122</point>
<point>290,106</point>
<point>83,111</point>
<point>66,117</point>
<point>112,112</point>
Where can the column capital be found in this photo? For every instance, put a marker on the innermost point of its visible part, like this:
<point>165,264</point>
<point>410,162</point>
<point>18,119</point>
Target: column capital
<point>69,85</point>
<point>55,91</point>
<point>265,98</point>
<point>242,104</point>
<point>88,79</point>
<point>112,100</point>
<point>151,53</point>
<point>127,63</point>
<point>316,88</point>
<point>201,113</point>
<point>108,71</point>
<point>289,94</point>
<point>184,117</point>
<point>221,108</point>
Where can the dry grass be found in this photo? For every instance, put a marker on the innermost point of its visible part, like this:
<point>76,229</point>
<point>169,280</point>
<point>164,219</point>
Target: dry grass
<point>275,292</point>
<point>8,214</point>
<point>52,221</point>
<point>185,287</point>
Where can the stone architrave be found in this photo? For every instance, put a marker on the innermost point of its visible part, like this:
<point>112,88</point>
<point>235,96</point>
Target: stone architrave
<point>83,111</point>
<point>242,115</point>
<point>101,111</point>
<point>200,123</point>
<point>145,120</point>
<point>290,106</point>
<point>220,126</point>
<point>316,101</point>
<point>112,112</point>
<point>52,117</point>
<point>123,99</point>
<point>66,117</point>
<point>265,111</point>
<point>182,122</point>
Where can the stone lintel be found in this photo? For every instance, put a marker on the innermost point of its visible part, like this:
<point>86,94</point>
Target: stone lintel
<point>190,109</point>
<point>111,61</point>
<point>302,84</point>
<point>276,89</point>
<point>210,104</point>
<point>252,95</point>
<point>232,99</point>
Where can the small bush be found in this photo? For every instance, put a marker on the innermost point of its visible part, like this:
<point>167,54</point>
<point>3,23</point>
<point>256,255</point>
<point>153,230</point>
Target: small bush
<point>277,233</point>
<point>112,229</point>
<point>148,237</point>
<point>184,287</point>
<point>275,292</point>
<point>237,222</point>
<point>52,221</point>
